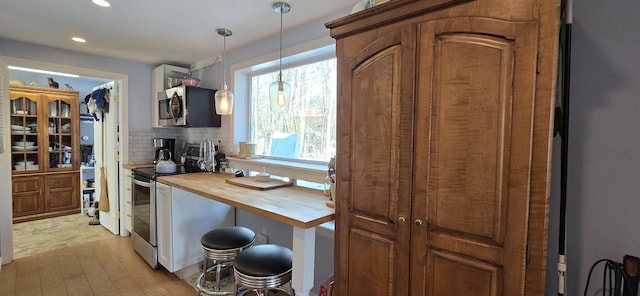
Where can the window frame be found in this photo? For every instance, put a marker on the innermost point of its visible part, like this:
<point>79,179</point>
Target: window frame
<point>294,169</point>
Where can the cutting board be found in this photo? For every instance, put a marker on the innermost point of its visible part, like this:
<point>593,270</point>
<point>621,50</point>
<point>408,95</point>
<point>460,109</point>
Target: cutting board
<point>253,183</point>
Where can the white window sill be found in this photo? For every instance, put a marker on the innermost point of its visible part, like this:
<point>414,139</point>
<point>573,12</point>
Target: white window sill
<point>312,172</point>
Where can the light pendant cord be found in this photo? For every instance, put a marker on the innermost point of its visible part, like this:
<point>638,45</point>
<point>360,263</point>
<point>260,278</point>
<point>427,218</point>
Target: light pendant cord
<point>281,13</point>
<point>224,62</point>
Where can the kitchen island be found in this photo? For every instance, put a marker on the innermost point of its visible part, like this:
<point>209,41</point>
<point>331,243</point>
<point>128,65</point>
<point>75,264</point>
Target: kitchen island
<point>302,208</point>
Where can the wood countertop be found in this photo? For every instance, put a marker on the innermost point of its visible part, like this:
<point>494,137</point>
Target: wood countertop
<point>296,206</point>
<point>131,166</point>
<point>137,165</point>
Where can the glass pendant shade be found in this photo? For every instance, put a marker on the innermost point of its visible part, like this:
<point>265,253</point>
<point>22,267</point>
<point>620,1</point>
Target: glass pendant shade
<point>279,96</point>
<point>280,91</point>
<point>224,97</point>
<point>224,101</point>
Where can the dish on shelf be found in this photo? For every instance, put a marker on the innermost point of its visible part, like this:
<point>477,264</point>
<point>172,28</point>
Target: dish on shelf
<point>33,127</point>
<point>16,127</point>
<point>21,112</point>
<point>23,148</point>
<point>66,165</point>
<point>21,143</point>
<point>21,163</point>
<point>30,167</point>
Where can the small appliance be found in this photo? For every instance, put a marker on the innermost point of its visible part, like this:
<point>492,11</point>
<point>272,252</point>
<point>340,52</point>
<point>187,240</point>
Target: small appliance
<point>164,145</point>
<point>192,157</point>
<point>187,106</point>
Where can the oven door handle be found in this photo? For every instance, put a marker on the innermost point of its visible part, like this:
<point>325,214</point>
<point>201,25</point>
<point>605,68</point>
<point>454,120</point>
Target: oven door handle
<point>140,183</point>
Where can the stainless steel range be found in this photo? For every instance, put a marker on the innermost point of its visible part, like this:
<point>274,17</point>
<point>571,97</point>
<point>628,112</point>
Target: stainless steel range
<point>144,230</point>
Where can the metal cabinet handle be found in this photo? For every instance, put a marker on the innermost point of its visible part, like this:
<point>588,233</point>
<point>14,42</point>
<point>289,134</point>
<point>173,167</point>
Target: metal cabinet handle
<point>402,219</point>
<point>419,222</point>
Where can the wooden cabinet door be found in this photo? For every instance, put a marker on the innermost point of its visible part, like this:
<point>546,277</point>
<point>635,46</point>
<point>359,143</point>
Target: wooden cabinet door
<point>62,192</point>
<point>25,132</point>
<point>28,197</point>
<point>471,189</point>
<point>61,117</point>
<point>375,113</point>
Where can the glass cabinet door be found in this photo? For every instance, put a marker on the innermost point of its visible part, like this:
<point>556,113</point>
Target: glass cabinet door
<point>60,130</point>
<point>25,139</point>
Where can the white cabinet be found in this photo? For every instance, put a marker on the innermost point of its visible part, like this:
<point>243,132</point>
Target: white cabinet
<point>183,218</point>
<point>159,83</point>
<point>128,206</point>
<point>87,188</point>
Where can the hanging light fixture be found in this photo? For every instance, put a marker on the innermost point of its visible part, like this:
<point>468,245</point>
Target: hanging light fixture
<point>280,91</point>
<point>224,97</point>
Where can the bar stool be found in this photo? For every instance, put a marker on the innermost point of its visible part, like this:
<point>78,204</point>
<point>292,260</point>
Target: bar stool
<point>262,268</point>
<point>222,245</point>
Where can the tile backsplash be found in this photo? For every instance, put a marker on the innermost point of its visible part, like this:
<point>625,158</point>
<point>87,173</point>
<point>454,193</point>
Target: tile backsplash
<point>141,144</point>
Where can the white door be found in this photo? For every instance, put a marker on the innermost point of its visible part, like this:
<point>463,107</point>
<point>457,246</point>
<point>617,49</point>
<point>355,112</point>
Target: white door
<point>107,155</point>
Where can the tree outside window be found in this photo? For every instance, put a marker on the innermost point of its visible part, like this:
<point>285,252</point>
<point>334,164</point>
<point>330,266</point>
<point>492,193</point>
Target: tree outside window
<point>308,130</point>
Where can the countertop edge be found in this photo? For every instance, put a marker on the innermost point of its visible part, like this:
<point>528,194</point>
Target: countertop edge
<point>278,217</point>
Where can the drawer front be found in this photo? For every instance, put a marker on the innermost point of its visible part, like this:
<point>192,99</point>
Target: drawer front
<point>59,182</point>
<point>26,184</point>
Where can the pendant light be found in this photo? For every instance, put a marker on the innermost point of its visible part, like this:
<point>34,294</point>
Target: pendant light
<point>224,97</point>
<point>280,91</point>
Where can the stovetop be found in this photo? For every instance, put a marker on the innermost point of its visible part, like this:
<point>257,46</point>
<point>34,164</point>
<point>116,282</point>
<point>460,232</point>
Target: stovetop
<point>150,172</point>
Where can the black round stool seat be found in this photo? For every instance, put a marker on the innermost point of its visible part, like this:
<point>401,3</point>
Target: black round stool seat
<point>264,260</point>
<point>231,237</point>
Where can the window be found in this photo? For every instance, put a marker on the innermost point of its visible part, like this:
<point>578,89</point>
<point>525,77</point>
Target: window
<point>308,130</point>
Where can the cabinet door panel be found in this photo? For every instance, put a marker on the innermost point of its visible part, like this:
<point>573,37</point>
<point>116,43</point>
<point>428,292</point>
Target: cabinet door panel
<point>63,192</point>
<point>371,257</point>
<point>374,153</point>
<point>475,104</point>
<point>27,197</point>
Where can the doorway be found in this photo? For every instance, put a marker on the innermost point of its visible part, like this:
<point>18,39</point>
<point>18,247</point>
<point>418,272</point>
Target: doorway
<point>6,225</point>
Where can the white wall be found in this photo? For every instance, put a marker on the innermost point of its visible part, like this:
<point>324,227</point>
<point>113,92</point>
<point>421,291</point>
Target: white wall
<point>139,74</point>
<point>603,193</point>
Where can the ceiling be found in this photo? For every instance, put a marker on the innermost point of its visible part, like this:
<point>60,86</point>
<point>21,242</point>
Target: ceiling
<point>152,31</point>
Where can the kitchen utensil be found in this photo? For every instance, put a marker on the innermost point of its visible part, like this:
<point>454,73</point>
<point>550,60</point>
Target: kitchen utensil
<point>165,165</point>
<point>190,81</point>
<point>207,161</point>
<point>253,183</point>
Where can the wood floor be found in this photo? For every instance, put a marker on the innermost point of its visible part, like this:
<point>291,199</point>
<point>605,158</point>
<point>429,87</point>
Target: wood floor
<point>104,267</point>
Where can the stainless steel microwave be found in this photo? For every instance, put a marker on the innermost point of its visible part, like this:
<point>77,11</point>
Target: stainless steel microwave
<point>187,106</point>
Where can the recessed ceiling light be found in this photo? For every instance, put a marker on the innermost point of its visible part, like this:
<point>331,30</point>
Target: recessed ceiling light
<point>78,39</point>
<point>102,3</point>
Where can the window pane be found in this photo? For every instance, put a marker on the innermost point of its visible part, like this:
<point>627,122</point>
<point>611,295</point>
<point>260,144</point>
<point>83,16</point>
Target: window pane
<point>308,130</point>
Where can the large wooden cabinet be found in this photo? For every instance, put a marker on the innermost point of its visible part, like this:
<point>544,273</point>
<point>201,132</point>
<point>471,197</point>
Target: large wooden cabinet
<point>44,152</point>
<point>443,152</point>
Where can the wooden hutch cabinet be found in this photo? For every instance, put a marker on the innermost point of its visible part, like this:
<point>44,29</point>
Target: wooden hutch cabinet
<point>443,147</point>
<point>45,152</point>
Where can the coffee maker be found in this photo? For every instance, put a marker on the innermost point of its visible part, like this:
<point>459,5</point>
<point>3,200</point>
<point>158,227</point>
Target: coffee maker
<point>164,144</point>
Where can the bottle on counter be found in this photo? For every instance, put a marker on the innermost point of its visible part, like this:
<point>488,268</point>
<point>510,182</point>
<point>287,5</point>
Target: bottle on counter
<point>92,160</point>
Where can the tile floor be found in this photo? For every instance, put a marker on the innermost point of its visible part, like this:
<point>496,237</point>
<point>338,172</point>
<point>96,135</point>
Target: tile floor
<point>34,237</point>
